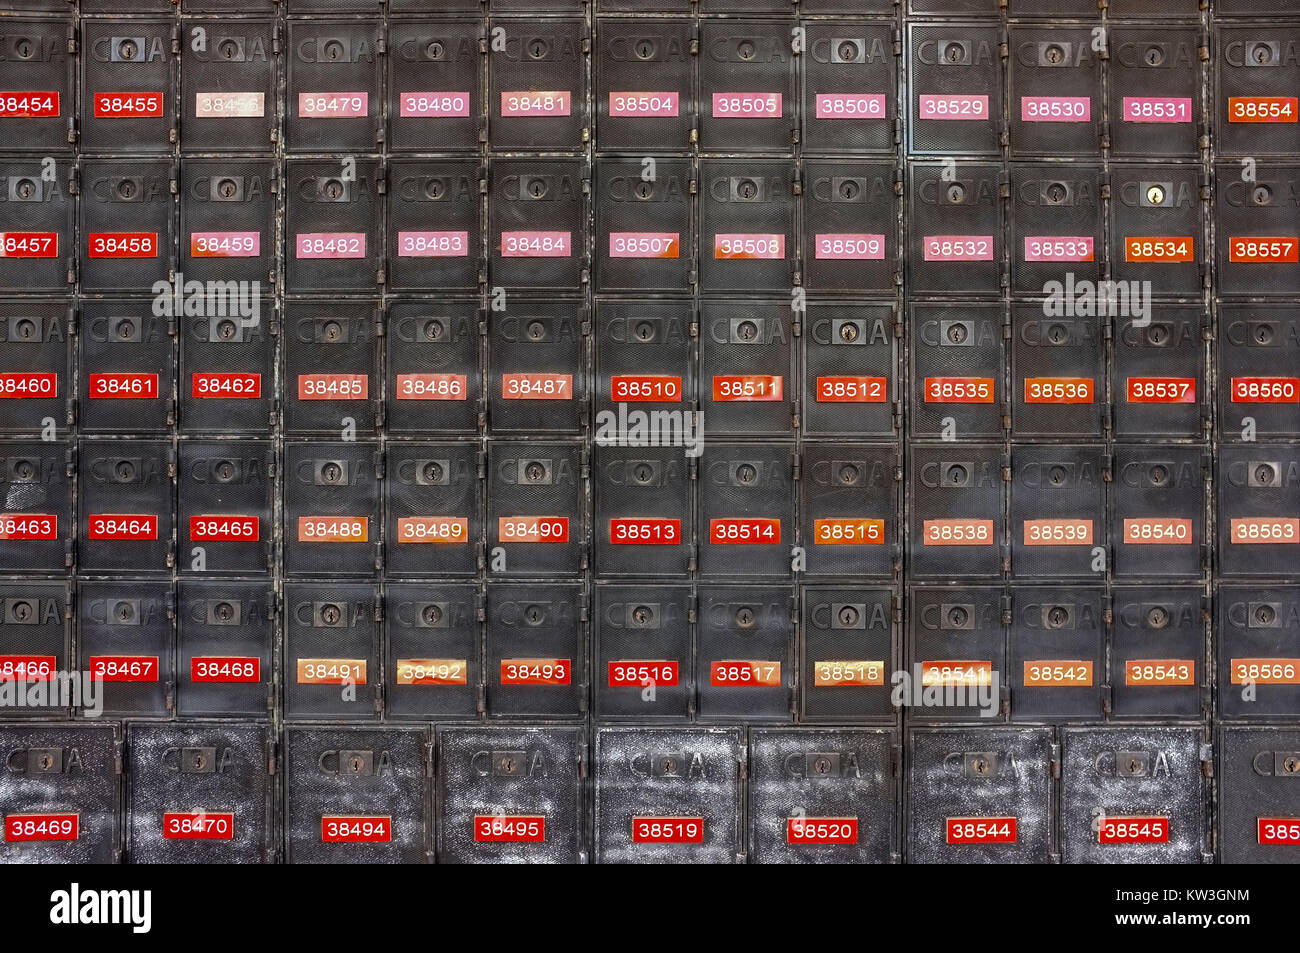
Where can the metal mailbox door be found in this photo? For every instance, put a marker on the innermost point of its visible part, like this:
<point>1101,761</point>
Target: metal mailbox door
<point>227,368</point>
<point>955,100</point>
<point>644,355</point>
<point>1258,352</point>
<point>435,85</point>
<point>745,650</point>
<point>433,657</point>
<point>39,113</point>
<point>1058,511</point>
<point>1259,799</point>
<point>850,370</point>
<point>35,379</point>
<point>228,222</point>
<point>125,368</point>
<point>957,221</point>
<point>536,650</point>
<point>643,653</point>
<point>333,86</point>
<point>746,508</point>
<point>126,224</point>
<point>511,795</point>
<point>224,661</point>
<point>1157,653</point>
<point>433,367</point>
<point>1154,91</point>
<point>956,525</point>
<point>1259,509</point>
<point>537,215</point>
<point>330,360</point>
<point>1258,652</point>
<point>333,238</point>
<point>1057,226</point>
<point>199,794</point>
<point>537,84</point>
<point>823,797</point>
<point>124,641</point>
<point>125,520</point>
<point>228,86</point>
<point>1157,228</point>
<point>1054,78</point>
<point>35,648</point>
<point>224,506</point>
<point>645,85</point>
<point>36,479</point>
<point>956,380</point>
<point>1256,73</point>
<point>60,791</point>
<point>1158,517</point>
<point>128,80</point>
<point>848,509</point>
<point>747,237</point>
<point>643,511</point>
<point>359,796</point>
<point>537,360</point>
<point>747,87</point>
<point>434,237</point>
<point>1058,374</point>
<point>1158,385</point>
<point>849,86</point>
<point>536,521</point>
<point>1056,653</point>
<point>331,509</point>
<point>669,795</point>
<point>849,655</point>
<point>850,241</point>
<point>980,795</point>
<point>433,513</point>
<point>331,652</point>
<point>645,238</point>
<point>957,648</point>
<point>37,213</point>
<point>1133,796</point>
<point>1257,248</point>
<point>747,369</point>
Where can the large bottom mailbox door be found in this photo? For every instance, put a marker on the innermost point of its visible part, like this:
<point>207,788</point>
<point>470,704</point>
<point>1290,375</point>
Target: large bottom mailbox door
<point>1259,795</point>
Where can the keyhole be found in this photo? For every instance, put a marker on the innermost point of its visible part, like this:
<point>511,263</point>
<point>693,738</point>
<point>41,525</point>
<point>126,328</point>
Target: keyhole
<point>953,53</point>
<point>22,611</point>
<point>331,473</point>
<point>1057,476</point>
<point>1155,195</point>
<point>1156,335</point>
<point>957,475</point>
<point>745,473</point>
<point>1265,615</point>
<point>227,189</point>
<point>26,329</point>
<point>26,188</point>
<point>747,189</point>
<point>645,331</point>
<point>1056,193</point>
<point>1155,56</point>
<point>534,472</point>
<point>1159,475</point>
<point>645,49</point>
<point>848,190</point>
<point>433,190</point>
<point>1057,334</point>
<point>25,469</point>
<point>355,764</point>
<point>980,766</point>
<point>643,473</point>
<point>1264,474</point>
<point>1158,617</point>
<point>848,51</point>
<point>225,471</point>
<point>848,332</point>
<point>641,615</point>
<point>432,615</point>
<point>126,189</point>
<point>125,470</point>
<point>124,330</point>
<point>537,188</point>
<point>644,190</point>
<point>747,330</point>
<point>334,50</point>
<point>848,616</point>
<point>1262,195</point>
<point>956,617</point>
<point>332,331</point>
<point>536,330</point>
<point>1291,765</point>
<point>537,48</point>
<point>23,48</point>
<point>432,330</point>
<point>849,474</point>
<point>330,614</point>
<point>226,330</point>
<point>956,193</point>
<point>744,617</point>
<point>746,50</point>
<point>434,50</point>
<point>224,611</point>
<point>433,473</point>
<point>228,49</point>
<point>534,615</point>
<point>1263,54</point>
<point>956,334</point>
<point>333,189</point>
<point>127,50</point>
<point>1057,616</point>
<point>821,766</point>
<point>1263,333</point>
<point>125,612</point>
<point>1055,55</point>
<point>46,762</point>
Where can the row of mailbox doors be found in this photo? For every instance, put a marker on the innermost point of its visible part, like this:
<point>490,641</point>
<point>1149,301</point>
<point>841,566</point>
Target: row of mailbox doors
<point>671,653</point>
<point>234,794</point>
<point>731,86</point>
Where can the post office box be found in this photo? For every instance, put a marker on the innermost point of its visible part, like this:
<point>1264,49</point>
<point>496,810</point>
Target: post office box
<point>1057,225</point>
<point>433,499</point>
<point>126,368</point>
<point>359,796</point>
<point>1159,384</point>
<point>433,367</point>
<point>36,649</point>
<point>955,103</point>
<point>1259,509</point>
<point>848,509</point>
<point>61,794</point>
<point>39,114</point>
<point>1133,796</point>
<point>511,795</point>
<point>850,652</point>
<point>643,667</point>
<point>229,71</point>
<point>956,655</point>
<point>330,361</point>
<point>1154,83</point>
<point>127,493</point>
<point>331,652</point>
<point>1058,511</point>
<point>1258,663</point>
<point>537,84</point>
<point>956,525</point>
<point>746,508</point>
<point>1257,67</point>
<point>435,85</point>
<point>823,797</point>
<point>849,86</point>
<point>744,654</point>
<point>1056,652</point>
<point>224,665</point>
<point>536,519</point>
<point>228,212</point>
<point>850,241</point>
<point>1257,250</point>
<point>839,340</point>
<point>200,794</point>
<point>128,82</point>
<point>1158,520</point>
<point>536,223</point>
<point>645,84</point>
<point>34,366</point>
<point>644,355</point>
<point>333,236</point>
<point>227,367</point>
<point>669,795</point>
<point>434,237</point>
<point>1157,227</point>
<point>1157,653</point>
<point>1258,801</point>
<point>956,386</point>
<point>644,512</point>
<point>37,512</point>
<point>537,366</point>
<point>125,641</point>
<point>128,224</point>
<point>536,651</point>
<point>1258,349</point>
<point>747,87</point>
<point>1054,79</point>
<point>333,86</point>
<point>224,505</point>
<point>433,657</point>
<point>955,217</point>
<point>746,368</point>
<point>980,795</point>
<point>331,508</point>
<point>1058,373</point>
<point>747,237</point>
<point>37,212</point>
<point>644,231</point>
